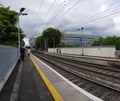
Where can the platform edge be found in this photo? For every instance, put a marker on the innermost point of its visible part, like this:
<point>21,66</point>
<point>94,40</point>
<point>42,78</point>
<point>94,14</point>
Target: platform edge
<point>51,88</point>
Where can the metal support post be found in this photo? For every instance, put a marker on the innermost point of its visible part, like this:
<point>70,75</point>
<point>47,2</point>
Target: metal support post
<point>82,42</point>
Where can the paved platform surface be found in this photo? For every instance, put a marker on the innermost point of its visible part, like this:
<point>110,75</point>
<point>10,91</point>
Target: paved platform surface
<point>31,87</point>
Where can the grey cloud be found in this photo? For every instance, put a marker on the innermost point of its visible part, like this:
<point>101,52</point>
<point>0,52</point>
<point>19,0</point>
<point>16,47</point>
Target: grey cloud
<point>37,19</point>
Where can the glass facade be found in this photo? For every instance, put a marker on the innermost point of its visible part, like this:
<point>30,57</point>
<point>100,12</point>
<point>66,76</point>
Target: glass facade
<point>79,39</point>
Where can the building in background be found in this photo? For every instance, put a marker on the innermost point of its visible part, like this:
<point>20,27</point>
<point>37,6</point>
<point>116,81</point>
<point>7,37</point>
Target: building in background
<point>79,39</point>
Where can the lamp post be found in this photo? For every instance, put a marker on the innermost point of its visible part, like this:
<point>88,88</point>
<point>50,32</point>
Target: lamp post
<point>20,13</point>
<point>82,40</point>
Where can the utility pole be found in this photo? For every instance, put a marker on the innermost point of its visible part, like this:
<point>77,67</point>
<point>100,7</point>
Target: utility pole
<point>82,42</point>
<point>81,39</point>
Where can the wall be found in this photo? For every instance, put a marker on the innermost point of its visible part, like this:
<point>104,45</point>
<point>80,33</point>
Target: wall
<point>8,59</point>
<point>117,54</point>
<point>102,51</point>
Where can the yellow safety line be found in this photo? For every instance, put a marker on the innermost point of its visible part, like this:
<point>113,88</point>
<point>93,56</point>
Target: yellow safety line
<point>51,88</point>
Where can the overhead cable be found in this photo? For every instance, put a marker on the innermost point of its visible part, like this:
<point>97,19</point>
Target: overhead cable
<point>101,17</point>
<point>50,8</point>
<point>66,11</point>
<point>64,4</point>
<point>109,12</point>
<point>37,14</point>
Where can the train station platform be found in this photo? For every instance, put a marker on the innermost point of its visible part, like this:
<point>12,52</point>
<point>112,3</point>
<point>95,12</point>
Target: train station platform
<point>36,81</point>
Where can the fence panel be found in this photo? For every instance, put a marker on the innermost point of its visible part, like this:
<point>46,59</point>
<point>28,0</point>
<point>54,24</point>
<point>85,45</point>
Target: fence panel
<point>8,59</point>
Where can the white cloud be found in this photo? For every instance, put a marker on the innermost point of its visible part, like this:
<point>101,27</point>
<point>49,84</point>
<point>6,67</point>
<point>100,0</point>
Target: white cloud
<point>38,19</point>
<point>103,7</point>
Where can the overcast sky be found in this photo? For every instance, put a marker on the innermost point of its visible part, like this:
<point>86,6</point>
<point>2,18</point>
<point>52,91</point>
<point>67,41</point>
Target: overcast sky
<point>69,15</point>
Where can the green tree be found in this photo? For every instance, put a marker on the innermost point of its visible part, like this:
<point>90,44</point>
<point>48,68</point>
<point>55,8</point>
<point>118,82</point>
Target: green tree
<point>8,29</point>
<point>8,21</point>
<point>99,42</point>
<point>52,37</point>
<point>39,42</point>
<point>110,40</point>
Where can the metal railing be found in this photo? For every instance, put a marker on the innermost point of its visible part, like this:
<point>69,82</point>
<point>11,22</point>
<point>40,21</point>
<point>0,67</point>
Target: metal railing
<point>8,59</point>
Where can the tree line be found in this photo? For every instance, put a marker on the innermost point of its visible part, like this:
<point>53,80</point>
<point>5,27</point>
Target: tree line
<point>51,38</point>
<point>110,40</point>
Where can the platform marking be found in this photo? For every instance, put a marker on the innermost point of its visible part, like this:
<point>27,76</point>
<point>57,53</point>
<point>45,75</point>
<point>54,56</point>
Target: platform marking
<point>51,88</point>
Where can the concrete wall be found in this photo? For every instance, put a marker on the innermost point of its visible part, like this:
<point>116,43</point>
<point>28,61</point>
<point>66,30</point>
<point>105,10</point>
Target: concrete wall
<point>8,59</point>
<point>117,54</point>
<point>105,51</point>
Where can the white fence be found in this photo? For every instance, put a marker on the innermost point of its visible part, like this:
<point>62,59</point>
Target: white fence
<point>102,51</point>
<point>8,59</point>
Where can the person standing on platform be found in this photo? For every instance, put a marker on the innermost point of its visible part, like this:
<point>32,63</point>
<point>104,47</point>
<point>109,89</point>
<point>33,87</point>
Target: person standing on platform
<point>22,53</point>
<point>59,50</point>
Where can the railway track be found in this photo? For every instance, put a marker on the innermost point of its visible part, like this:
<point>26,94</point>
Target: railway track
<point>101,81</point>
